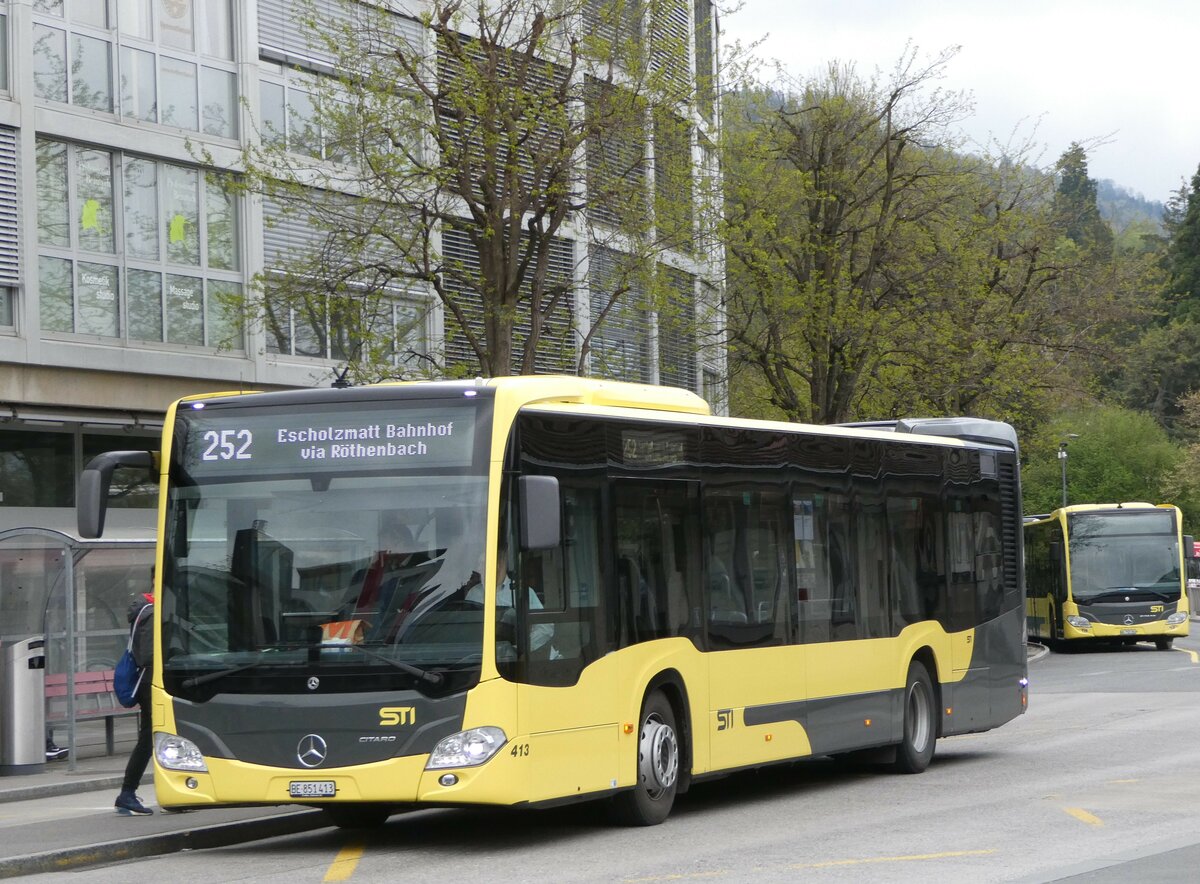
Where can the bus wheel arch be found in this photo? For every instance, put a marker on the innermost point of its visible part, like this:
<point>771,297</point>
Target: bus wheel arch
<point>920,718</point>
<point>663,754</point>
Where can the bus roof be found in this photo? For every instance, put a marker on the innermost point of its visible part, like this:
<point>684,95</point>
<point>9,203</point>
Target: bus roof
<point>601,395</point>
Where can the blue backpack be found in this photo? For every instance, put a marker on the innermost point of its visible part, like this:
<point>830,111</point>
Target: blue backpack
<point>127,677</point>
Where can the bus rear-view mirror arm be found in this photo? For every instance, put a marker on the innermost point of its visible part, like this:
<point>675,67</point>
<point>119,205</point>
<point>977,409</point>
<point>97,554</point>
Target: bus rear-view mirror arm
<point>95,481</point>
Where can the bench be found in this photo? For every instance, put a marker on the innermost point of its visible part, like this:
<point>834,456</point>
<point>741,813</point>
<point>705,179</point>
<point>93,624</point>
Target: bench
<point>94,698</point>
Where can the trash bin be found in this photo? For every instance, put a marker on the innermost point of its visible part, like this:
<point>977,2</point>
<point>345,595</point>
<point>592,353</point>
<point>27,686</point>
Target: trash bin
<point>23,707</point>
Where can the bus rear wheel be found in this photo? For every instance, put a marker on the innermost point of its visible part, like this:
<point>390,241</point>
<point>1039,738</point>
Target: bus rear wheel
<point>658,764</point>
<point>357,816</point>
<point>915,750</point>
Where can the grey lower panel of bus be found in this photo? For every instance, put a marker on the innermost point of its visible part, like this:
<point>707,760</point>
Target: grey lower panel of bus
<point>988,695</point>
<point>352,729</point>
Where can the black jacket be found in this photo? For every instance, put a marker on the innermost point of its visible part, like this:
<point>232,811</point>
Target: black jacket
<point>143,637</point>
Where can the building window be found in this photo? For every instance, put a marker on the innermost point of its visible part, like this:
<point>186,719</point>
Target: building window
<point>173,60</point>
<point>289,100</point>
<point>303,321</point>
<point>177,276</point>
<point>39,467</point>
<point>3,50</point>
<point>620,342</point>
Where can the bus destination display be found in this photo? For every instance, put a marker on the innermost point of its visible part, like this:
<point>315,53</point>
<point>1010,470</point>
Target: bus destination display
<point>242,440</point>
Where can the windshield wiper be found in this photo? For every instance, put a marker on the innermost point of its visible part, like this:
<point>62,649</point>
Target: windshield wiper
<point>1133,593</point>
<point>197,680</point>
<point>415,671</point>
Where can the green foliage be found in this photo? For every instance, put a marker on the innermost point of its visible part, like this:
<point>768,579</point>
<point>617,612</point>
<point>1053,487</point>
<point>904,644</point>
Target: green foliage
<point>874,271</point>
<point>1119,455</point>
<point>1076,212</point>
<point>1183,251</point>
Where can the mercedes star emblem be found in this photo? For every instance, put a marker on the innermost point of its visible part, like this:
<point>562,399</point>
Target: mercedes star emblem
<point>314,683</point>
<point>311,750</point>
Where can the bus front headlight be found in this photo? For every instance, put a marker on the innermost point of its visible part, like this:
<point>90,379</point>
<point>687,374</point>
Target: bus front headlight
<point>177,753</point>
<point>467,748</point>
<point>1079,622</point>
<point>1176,618</point>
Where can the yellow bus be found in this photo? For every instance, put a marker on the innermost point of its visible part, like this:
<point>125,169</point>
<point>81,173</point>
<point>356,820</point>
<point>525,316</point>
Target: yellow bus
<point>1108,571</point>
<point>535,590</point>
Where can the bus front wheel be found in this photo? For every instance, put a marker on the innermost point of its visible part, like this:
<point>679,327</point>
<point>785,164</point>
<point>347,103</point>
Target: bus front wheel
<point>915,750</point>
<point>1163,644</point>
<point>658,762</point>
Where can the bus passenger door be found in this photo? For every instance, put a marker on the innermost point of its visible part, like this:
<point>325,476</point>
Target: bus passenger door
<point>568,680</point>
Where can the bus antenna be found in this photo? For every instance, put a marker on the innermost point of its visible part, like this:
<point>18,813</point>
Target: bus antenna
<point>340,382</point>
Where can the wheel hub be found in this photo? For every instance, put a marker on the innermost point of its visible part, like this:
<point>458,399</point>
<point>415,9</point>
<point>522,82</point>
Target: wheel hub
<point>658,755</point>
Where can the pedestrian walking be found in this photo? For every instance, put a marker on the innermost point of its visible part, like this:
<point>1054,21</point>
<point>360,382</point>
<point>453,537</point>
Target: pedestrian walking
<point>141,627</point>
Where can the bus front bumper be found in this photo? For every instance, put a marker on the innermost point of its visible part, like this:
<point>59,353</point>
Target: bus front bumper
<point>1128,632</point>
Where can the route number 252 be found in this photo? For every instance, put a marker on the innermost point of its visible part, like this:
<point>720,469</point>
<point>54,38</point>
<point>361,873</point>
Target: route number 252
<point>227,445</point>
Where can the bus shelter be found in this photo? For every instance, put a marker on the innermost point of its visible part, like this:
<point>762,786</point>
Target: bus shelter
<point>75,593</point>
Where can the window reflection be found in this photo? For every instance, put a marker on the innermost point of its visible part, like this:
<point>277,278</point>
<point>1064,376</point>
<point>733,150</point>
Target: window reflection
<point>96,291</point>
<point>182,215</point>
<point>50,63</point>
<point>145,305</point>
<point>161,203</point>
<point>54,225</point>
<point>178,83</point>
<point>138,98</point>
<point>175,24</point>
<point>185,310</point>
<point>56,294</point>
<point>95,201</point>
<point>141,208</point>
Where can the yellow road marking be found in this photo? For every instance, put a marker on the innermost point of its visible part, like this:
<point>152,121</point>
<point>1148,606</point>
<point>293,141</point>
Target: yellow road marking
<point>828,864</point>
<point>875,860</point>
<point>344,863</point>
<point>1121,782</point>
<point>1084,817</point>
<point>1195,657</point>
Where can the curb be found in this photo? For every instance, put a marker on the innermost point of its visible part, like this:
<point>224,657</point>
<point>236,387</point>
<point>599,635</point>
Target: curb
<point>219,835</point>
<point>51,790</point>
<point>1041,652</point>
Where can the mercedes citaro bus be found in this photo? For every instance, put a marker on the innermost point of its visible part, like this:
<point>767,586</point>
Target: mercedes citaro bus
<point>526,591</point>
<point>1111,572</point>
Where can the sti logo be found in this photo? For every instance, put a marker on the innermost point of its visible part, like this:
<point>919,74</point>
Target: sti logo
<point>390,716</point>
<point>724,719</point>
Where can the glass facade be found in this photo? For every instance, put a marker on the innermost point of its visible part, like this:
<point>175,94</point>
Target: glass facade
<point>159,61</point>
<point>160,264</point>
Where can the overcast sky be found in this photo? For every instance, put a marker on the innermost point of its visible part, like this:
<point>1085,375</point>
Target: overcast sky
<point>1077,69</point>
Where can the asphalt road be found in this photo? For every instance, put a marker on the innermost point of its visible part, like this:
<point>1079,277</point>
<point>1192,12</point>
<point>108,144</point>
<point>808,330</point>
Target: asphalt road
<point>1099,781</point>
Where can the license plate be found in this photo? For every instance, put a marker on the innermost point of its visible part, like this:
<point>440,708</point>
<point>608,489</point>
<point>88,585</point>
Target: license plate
<point>1128,632</point>
<point>312,789</point>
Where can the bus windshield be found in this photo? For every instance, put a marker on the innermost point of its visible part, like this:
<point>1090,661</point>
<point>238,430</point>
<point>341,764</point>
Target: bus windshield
<point>1124,554</point>
<point>354,570</point>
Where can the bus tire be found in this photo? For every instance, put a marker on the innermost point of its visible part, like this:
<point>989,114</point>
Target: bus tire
<point>1163,644</point>
<point>357,816</point>
<point>920,725</point>
<point>658,767</point>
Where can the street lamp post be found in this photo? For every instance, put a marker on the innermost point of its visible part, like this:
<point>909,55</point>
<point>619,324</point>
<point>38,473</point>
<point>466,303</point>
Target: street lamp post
<point>1062,461</point>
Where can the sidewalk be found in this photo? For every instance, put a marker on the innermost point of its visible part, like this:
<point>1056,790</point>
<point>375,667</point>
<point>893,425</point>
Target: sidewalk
<point>62,819</point>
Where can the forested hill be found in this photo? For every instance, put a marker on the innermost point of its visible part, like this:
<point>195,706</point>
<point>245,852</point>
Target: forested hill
<point>1121,207</point>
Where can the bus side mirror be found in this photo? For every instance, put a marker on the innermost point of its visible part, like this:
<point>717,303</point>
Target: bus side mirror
<point>539,512</point>
<point>1189,546</point>
<point>95,481</point>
